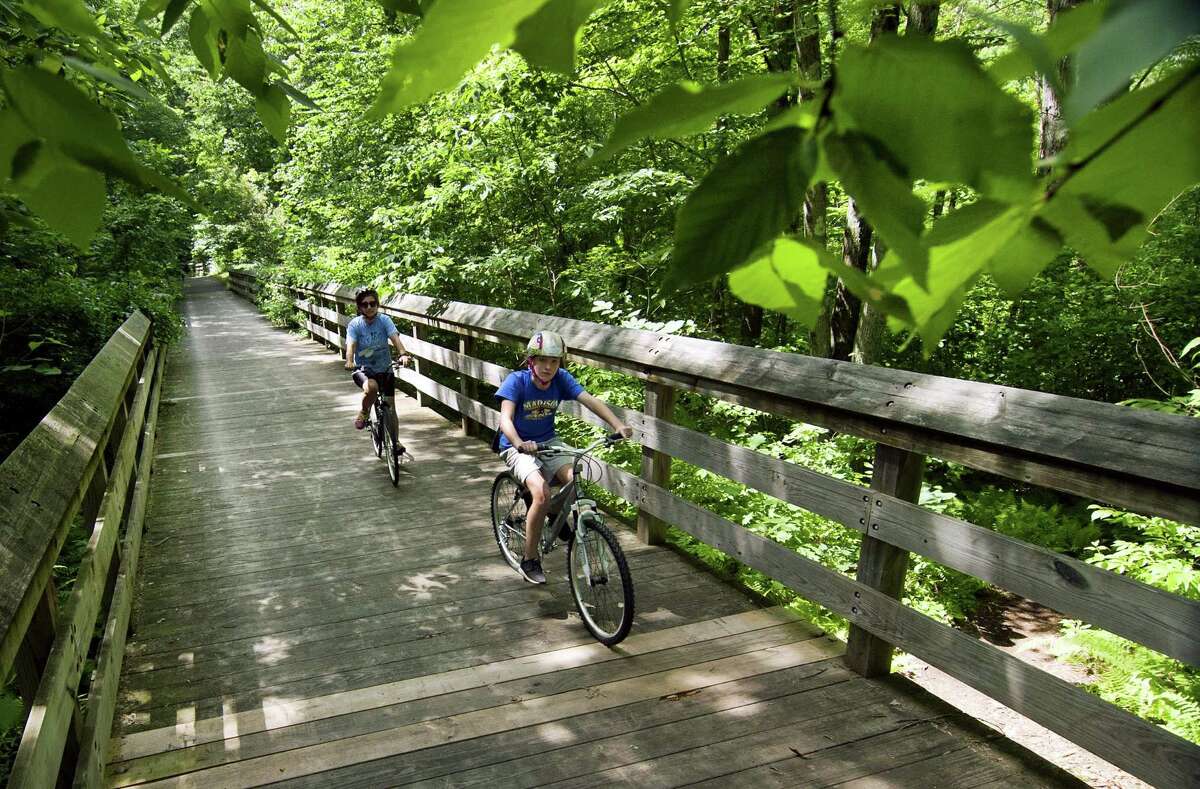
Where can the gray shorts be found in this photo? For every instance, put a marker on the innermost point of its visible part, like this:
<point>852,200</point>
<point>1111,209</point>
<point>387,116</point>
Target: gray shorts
<point>522,465</point>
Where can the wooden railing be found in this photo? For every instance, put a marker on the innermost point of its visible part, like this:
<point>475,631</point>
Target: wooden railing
<point>1145,461</point>
<point>88,461</point>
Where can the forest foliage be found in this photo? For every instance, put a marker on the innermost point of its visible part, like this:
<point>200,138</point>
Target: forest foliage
<point>995,191</point>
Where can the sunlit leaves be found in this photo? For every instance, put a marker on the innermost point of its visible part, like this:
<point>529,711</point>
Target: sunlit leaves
<point>69,15</point>
<point>788,276</point>
<point>245,61</point>
<point>884,197</point>
<point>455,36</point>
<point>275,110</point>
<point>548,38</point>
<point>938,114</point>
<point>171,15</point>
<point>676,10</point>
<point>1133,36</point>
<point>746,200</point>
<point>202,34</point>
<point>68,196</point>
<point>960,247</point>
<point>688,108</point>
<point>105,74</point>
<point>1124,163</point>
<point>1033,248</point>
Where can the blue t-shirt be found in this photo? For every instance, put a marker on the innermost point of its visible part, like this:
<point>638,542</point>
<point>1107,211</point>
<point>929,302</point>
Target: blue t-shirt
<point>536,407</point>
<point>371,342</point>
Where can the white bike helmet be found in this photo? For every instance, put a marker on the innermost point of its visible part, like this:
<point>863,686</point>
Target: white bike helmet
<point>546,343</point>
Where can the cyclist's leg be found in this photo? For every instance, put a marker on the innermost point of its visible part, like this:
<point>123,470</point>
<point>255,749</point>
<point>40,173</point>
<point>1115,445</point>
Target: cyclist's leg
<point>363,381</point>
<point>539,491</point>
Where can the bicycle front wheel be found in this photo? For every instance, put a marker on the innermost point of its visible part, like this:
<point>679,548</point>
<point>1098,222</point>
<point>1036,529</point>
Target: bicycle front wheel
<point>600,582</point>
<point>508,518</point>
<point>391,449</point>
<point>376,428</point>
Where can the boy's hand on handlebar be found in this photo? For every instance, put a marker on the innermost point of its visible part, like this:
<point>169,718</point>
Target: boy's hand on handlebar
<point>625,431</point>
<point>349,364</point>
<point>528,447</point>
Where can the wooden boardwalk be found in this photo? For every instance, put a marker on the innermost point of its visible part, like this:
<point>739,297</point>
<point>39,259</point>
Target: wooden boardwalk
<point>300,621</point>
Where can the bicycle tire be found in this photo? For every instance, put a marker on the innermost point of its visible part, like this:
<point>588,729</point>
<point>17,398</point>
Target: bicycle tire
<point>390,449</point>
<point>607,611</point>
<point>508,518</point>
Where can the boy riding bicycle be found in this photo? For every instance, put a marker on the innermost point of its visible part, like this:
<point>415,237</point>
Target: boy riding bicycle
<point>367,354</point>
<point>529,400</point>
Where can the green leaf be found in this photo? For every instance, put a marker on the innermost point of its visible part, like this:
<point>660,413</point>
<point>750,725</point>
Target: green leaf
<point>275,110</point>
<point>454,37</point>
<point>46,369</point>
<point>246,62</point>
<point>884,196</point>
<point>12,712</point>
<point>960,245</point>
<point>69,15</point>
<point>150,9</point>
<point>70,198</point>
<point>747,199</point>
<point>1191,346</point>
<point>105,74</point>
<point>233,16</point>
<point>549,37</point>
<point>787,276</point>
<point>16,368</point>
<point>688,108</point>
<point>55,110</point>
<point>1028,252</point>
<point>676,10</point>
<point>174,10</point>
<point>202,34</point>
<point>1133,36</point>
<point>298,96</point>
<point>1124,163</point>
<point>941,117</point>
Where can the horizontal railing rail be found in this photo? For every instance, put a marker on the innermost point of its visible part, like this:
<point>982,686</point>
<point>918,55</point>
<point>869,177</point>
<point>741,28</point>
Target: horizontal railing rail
<point>1143,461</point>
<point>87,462</point>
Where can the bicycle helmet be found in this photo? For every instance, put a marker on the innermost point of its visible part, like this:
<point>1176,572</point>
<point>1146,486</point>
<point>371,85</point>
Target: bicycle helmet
<point>546,343</point>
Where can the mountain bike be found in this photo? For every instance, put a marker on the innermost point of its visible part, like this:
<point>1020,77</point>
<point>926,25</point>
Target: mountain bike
<point>383,435</point>
<point>596,567</point>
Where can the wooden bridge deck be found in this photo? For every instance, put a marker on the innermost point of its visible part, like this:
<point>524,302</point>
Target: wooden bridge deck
<point>301,621</point>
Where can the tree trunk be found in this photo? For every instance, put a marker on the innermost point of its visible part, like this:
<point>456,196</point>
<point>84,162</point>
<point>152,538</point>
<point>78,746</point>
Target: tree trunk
<point>1053,130</point>
<point>922,19</point>
<point>716,318</point>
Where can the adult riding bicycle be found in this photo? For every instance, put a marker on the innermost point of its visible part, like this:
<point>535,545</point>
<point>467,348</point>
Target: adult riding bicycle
<point>596,567</point>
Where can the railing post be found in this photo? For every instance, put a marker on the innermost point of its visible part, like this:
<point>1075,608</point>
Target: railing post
<point>35,647</point>
<point>656,466</point>
<point>468,386</point>
<point>880,565</point>
<point>421,333</point>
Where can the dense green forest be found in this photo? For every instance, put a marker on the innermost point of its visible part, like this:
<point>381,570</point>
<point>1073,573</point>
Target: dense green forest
<point>996,191</point>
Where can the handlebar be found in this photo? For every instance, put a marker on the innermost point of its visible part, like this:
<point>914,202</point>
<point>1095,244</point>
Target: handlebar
<point>555,449</point>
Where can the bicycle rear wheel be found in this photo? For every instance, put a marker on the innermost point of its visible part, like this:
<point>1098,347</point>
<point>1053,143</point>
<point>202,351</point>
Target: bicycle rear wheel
<point>600,582</point>
<point>509,506</point>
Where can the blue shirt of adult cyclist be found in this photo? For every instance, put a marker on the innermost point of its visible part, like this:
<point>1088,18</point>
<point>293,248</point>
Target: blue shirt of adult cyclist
<point>371,342</point>
<point>534,418</point>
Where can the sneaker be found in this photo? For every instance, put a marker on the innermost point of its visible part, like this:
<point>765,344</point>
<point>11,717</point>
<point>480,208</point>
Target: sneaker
<point>360,421</point>
<point>531,570</point>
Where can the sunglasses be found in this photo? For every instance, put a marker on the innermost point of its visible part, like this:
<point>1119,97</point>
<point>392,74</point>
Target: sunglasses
<point>369,304</point>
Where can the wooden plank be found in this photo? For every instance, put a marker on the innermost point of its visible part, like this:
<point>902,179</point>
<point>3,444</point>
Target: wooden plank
<point>1140,748</point>
<point>102,694</point>
<point>576,747</point>
<point>51,717</point>
<point>314,758</point>
<point>882,566</point>
<point>44,479</point>
<point>656,465</point>
<point>325,313</point>
<point>419,334</point>
<point>281,713</point>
